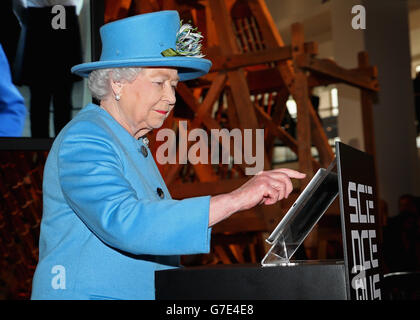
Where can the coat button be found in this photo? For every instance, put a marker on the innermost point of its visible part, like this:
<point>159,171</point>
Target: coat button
<point>144,151</point>
<point>160,193</point>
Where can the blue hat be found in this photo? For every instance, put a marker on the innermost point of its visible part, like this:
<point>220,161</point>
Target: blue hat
<point>150,40</point>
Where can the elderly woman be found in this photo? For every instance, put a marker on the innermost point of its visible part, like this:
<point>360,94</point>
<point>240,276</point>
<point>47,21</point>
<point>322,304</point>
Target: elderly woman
<point>109,221</point>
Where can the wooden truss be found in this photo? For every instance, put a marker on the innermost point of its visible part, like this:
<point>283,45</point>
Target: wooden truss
<point>252,77</point>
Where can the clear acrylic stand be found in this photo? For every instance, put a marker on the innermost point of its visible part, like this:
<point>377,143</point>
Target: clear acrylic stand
<point>278,254</point>
<point>302,217</point>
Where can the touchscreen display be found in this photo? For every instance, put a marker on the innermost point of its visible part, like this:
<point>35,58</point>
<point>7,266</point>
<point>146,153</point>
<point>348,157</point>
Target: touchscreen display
<point>305,212</point>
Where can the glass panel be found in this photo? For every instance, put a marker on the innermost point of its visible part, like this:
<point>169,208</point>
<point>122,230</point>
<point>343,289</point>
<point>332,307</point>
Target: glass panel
<point>302,217</point>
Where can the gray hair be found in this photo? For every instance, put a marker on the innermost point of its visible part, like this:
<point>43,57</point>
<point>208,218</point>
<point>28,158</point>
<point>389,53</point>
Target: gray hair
<point>99,79</point>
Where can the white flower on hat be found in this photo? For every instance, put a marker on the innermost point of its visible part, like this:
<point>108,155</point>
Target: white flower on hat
<point>188,43</point>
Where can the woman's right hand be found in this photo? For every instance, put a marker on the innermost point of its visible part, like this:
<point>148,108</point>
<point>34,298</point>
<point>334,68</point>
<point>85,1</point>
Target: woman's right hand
<point>266,187</point>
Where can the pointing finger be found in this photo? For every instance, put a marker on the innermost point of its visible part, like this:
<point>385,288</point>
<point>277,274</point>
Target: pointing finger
<point>291,173</point>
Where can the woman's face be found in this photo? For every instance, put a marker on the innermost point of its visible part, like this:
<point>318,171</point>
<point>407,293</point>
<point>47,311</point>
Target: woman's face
<point>146,102</point>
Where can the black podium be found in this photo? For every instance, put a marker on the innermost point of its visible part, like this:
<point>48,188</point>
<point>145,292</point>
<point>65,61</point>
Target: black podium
<point>309,280</point>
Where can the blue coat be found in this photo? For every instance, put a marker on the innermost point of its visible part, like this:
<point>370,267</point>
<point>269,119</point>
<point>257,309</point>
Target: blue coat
<point>105,230</point>
<point>12,107</point>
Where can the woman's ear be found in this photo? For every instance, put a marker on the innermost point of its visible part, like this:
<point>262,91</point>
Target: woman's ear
<point>116,87</point>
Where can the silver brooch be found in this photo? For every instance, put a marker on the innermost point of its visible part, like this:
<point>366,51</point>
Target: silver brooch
<point>146,141</point>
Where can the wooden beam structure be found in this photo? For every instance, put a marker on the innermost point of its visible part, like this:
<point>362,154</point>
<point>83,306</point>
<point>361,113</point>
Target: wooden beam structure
<point>363,78</point>
<point>236,61</point>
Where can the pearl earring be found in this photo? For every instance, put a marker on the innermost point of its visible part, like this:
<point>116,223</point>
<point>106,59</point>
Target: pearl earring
<point>117,97</point>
